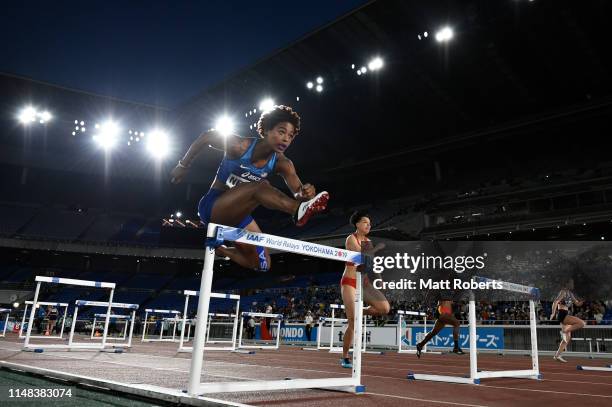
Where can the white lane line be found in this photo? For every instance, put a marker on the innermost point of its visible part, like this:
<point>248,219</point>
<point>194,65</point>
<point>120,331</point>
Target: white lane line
<point>425,400</point>
<point>547,391</point>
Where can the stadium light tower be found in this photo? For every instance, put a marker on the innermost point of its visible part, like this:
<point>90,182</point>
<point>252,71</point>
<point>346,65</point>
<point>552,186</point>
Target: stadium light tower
<point>158,144</point>
<point>27,115</point>
<point>375,64</point>
<point>107,135</point>
<point>266,104</point>
<point>444,35</point>
<point>225,125</point>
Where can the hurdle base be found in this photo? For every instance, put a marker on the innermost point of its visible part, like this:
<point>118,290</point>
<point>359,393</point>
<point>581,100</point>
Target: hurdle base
<point>439,378</point>
<point>337,384</point>
<point>595,368</point>
<point>523,374</point>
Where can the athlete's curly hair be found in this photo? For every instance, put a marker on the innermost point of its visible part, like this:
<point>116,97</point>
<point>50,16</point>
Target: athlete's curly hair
<point>357,216</point>
<point>278,114</point>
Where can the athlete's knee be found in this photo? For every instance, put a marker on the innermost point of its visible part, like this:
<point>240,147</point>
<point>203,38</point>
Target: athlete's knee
<point>582,324</point>
<point>381,308</point>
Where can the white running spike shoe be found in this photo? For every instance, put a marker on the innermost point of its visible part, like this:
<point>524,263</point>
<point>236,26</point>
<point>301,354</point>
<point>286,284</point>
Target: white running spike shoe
<point>309,208</point>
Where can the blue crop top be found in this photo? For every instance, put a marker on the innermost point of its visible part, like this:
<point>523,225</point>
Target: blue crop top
<point>232,172</point>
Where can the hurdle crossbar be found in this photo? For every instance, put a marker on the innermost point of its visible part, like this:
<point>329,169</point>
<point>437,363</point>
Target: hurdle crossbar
<point>216,235</point>
<point>57,304</point>
<point>475,374</point>
<point>185,326</point>
<point>67,281</point>
<point>279,319</point>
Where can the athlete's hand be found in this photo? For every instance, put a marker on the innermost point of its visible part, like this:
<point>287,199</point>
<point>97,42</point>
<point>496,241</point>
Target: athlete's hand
<point>178,173</point>
<point>308,191</point>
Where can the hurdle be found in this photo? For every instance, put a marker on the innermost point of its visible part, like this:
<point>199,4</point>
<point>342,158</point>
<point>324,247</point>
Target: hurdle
<point>67,281</point>
<point>401,326</point>
<point>182,340</point>
<point>106,316</point>
<point>161,330</point>
<point>216,235</point>
<point>57,304</point>
<point>475,374</point>
<point>595,368</point>
<point>278,317</point>
<point>8,312</point>
<point>338,349</point>
<point>125,336</point>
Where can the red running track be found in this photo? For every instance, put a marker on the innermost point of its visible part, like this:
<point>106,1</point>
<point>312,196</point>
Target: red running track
<point>383,375</point>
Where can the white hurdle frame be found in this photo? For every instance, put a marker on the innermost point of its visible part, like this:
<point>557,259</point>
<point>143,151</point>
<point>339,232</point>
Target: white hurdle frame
<point>40,303</point>
<point>401,314</point>
<point>279,319</point>
<point>161,330</point>
<point>338,349</point>
<point>182,340</point>
<point>107,315</point>
<point>475,374</point>
<point>125,336</point>
<point>8,312</point>
<point>216,235</point>
<point>67,281</point>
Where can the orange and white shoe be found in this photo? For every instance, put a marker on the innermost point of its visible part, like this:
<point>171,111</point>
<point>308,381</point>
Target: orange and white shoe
<point>311,207</point>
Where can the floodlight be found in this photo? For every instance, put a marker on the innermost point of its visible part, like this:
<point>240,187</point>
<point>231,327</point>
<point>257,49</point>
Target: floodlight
<point>225,125</point>
<point>158,144</point>
<point>266,104</point>
<point>444,35</point>
<point>107,135</point>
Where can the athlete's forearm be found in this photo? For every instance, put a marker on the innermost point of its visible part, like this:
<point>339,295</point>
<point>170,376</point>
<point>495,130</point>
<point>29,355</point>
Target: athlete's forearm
<point>195,148</point>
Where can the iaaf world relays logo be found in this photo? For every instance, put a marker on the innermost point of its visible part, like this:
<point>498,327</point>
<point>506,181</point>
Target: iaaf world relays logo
<point>296,246</point>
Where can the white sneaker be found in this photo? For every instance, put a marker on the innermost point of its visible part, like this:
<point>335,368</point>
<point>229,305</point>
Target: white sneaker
<point>559,359</point>
<point>309,208</point>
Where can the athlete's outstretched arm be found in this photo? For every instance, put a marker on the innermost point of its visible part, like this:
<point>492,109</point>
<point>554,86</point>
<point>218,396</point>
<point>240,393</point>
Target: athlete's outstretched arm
<point>209,138</point>
<point>286,169</point>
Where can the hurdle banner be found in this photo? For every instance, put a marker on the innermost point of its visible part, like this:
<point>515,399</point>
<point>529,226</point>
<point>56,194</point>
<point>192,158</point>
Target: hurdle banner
<point>67,281</point>
<point>216,235</point>
<point>182,340</point>
<point>57,304</point>
<point>475,374</point>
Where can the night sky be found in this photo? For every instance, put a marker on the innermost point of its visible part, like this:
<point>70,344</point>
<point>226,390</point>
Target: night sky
<point>157,52</point>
